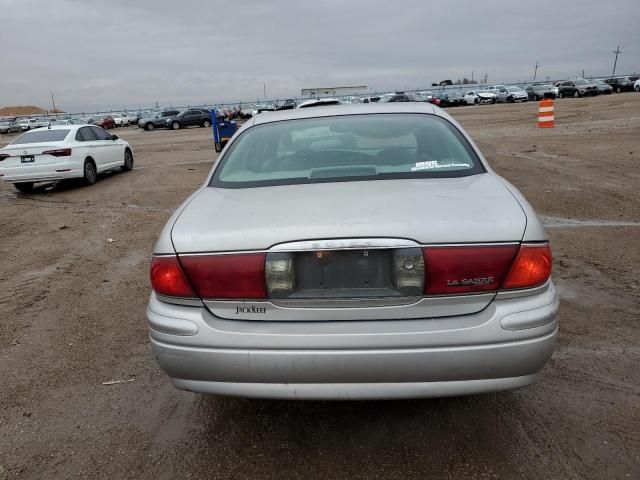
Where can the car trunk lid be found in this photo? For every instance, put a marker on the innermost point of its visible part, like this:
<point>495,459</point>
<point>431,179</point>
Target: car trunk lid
<point>353,281</point>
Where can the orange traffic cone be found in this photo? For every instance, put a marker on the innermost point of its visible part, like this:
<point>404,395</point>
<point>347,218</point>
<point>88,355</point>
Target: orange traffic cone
<point>545,114</point>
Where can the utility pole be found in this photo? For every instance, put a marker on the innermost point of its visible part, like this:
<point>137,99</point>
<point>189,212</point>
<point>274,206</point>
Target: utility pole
<point>471,76</point>
<point>535,70</point>
<point>264,90</point>
<point>615,62</point>
<point>53,102</point>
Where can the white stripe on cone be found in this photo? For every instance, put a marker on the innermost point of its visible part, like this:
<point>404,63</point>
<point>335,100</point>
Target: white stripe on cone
<point>545,109</point>
<point>545,119</point>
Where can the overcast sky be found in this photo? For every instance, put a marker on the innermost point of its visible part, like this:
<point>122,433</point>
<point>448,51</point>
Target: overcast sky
<point>121,53</point>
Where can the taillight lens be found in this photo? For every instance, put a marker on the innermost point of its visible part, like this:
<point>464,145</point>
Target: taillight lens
<point>466,269</point>
<point>531,268</point>
<point>59,152</point>
<point>167,278</point>
<point>226,276</point>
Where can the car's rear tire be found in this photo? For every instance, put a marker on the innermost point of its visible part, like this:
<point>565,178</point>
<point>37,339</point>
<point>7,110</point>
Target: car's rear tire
<point>576,94</point>
<point>493,100</point>
<point>637,89</point>
<point>206,124</point>
<point>175,125</point>
<point>476,101</point>
<point>149,126</point>
<point>128,161</point>
<point>24,187</point>
<point>618,90</point>
<point>90,174</point>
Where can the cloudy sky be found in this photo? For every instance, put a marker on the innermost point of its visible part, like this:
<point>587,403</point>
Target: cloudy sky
<point>122,53</point>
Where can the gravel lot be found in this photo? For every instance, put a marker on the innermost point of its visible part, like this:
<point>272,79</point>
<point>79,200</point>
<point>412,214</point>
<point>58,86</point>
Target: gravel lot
<point>72,309</point>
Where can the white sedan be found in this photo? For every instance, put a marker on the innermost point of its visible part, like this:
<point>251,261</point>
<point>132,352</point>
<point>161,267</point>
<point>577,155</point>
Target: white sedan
<point>120,119</point>
<point>476,97</point>
<point>62,152</point>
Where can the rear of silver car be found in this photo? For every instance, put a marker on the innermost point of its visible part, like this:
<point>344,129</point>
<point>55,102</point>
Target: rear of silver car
<point>395,288</point>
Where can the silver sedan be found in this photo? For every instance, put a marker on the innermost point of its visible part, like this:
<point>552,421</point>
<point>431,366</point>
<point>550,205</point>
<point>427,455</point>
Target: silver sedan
<point>352,252</point>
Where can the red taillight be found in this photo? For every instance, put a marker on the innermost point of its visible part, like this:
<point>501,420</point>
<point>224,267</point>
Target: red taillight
<point>3,156</point>
<point>167,278</point>
<point>59,152</point>
<point>466,269</point>
<point>532,267</point>
<point>227,276</point>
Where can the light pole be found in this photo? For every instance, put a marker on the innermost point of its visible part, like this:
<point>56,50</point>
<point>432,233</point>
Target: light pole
<point>615,62</point>
<point>535,70</point>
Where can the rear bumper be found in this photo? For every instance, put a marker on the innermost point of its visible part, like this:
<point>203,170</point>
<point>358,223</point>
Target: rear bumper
<point>362,374</point>
<point>504,346</point>
<point>41,173</point>
<point>354,391</point>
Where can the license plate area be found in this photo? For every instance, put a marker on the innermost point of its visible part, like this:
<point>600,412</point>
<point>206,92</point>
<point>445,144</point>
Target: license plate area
<point>27,159</point>
<point>344,274</point>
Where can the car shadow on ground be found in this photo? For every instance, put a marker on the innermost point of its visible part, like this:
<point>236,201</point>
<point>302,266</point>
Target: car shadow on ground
<point>310,437</point>
<point>67,185</point>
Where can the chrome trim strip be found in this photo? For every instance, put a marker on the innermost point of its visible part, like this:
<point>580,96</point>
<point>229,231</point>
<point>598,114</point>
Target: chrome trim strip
<point>506,294</point>
<point>344,302</point>
<point>189,302</point>
<point>428,307</point>
<point>373,243</point>
<point>344,244</point>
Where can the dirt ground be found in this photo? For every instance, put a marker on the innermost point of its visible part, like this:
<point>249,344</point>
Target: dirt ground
<point>73,292</point>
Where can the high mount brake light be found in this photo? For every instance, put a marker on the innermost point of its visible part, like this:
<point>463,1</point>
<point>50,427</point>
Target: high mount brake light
<point>58,152</point>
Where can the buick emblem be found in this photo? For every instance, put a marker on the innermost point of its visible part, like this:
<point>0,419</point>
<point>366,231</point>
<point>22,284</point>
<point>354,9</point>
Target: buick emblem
<point>24,153</point>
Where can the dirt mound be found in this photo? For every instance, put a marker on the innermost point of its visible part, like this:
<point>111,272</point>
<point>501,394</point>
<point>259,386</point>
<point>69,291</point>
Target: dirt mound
<point>21,110</point>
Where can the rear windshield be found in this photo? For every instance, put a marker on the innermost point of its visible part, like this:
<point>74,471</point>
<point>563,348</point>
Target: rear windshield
<point>346,148</point>
<point>42,136</point>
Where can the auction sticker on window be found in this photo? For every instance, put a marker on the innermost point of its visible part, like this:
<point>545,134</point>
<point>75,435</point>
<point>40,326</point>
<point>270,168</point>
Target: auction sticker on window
<point>434,165</point>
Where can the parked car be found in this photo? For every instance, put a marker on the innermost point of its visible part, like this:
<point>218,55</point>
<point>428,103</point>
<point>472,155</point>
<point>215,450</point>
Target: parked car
<point>456,98</point>
<point>516,94</point>
<point>289,104</point>
<point>603,88</point>
<point>193,117</point>
<point>319,102</point>
<point>477,97</point>
<point>27,124</point>
<point>9,126</point>
<point>134,117</point>
<point>372,99</point>
<point>263,108</point>
<point>620,84</point>
<point>423,273</point>
<point>538,92</point>
<point>577,88</point>
<point>400,97</point>
<point>102,121</point>
<point>62,152</point>
<point>443,99</point>
<point>500,92</point>
<point>157,119</point>
<point>120,119</point>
